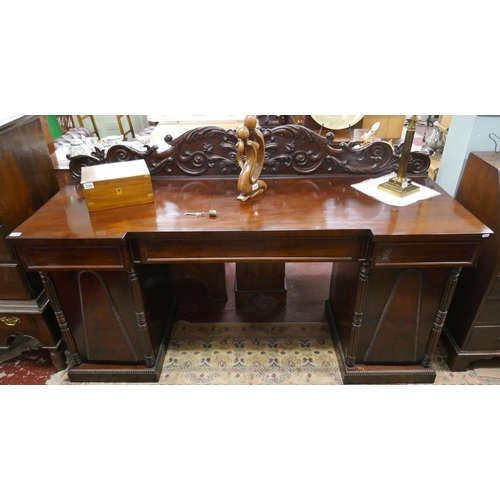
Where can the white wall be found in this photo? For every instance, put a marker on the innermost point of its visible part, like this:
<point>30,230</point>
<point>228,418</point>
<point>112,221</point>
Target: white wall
<point>467,133</point>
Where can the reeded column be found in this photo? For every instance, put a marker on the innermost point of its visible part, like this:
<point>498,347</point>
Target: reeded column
<point>358,314</point>
<point>140,315</point>
<point>61,319</point>
<point>441,315</point>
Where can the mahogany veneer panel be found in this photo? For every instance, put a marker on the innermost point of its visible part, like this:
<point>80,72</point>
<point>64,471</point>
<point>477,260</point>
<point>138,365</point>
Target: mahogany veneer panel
<point>266,279</point>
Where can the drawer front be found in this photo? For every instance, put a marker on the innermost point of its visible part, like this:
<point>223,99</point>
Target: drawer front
<point>425,254</point>
<point>490,311</point>
<point>69,258</point>
<point>484,338</point>
<point>10,324</point>
<point>257,249</point>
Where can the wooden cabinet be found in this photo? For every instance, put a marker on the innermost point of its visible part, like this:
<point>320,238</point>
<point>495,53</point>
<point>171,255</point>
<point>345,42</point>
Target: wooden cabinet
<point>27,181</point>
<point>472,326</point>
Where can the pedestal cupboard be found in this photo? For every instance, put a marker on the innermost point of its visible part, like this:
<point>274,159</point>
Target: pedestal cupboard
<point>27,181</point>
<point>472,326</point>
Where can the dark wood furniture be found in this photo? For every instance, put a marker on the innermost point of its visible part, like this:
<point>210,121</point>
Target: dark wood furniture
<point>394,269</point>
<point>27,181</point>
<point>473,324</point>
<point>290,151</point>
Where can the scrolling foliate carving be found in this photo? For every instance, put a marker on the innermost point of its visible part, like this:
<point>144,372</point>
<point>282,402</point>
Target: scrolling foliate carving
<point>418,163</point>
<point>372,158</point>
<point>157,162</point>
<point>289,150</point>
<point>293,147</point>
<point>120,152</point>
<point>76,164</point>
<point>203,149</point>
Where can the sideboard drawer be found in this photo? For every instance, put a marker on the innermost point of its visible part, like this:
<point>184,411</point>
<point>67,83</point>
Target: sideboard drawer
<point>458,253</point>
<point>37,258</point>
<point>485,338</point>
<point>236,249</point>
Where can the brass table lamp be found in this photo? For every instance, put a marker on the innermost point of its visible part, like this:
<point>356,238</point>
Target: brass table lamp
<point>400,185</point>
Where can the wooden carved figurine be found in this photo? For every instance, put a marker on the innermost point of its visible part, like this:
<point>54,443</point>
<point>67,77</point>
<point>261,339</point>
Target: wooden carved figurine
<point>250,156</point>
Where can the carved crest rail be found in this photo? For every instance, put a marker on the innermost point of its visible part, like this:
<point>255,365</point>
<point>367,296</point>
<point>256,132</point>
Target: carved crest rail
<point>291,150</point>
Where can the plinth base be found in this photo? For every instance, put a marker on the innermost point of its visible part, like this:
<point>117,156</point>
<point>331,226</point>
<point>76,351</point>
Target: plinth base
<point>376,373</point>
<point>118,372</point>
<point>459,360</point>
<point>399,187</point>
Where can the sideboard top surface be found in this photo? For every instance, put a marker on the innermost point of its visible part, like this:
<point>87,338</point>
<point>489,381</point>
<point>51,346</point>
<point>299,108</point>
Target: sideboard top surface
<point>301,205</point>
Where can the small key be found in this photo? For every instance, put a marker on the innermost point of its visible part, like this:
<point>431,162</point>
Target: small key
<point>196,214</point>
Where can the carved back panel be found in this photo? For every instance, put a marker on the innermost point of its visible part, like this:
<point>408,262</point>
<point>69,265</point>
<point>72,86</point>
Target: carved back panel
<point>291,150</point>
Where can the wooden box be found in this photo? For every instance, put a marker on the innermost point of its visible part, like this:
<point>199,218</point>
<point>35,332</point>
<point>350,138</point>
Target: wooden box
<point>115,185</point>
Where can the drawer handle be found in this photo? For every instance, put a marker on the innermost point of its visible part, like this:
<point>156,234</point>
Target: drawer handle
<point>10,321</point>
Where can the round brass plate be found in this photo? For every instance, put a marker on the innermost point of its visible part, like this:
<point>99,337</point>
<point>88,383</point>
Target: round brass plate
<point>336,122</point>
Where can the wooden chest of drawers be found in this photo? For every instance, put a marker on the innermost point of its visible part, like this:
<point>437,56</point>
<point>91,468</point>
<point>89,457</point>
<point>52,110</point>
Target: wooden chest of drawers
<point>27,181</point>
<point>472,326</point>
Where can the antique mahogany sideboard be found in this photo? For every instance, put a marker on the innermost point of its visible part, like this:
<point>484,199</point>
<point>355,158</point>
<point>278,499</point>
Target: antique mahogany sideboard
<point>394,269</point>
